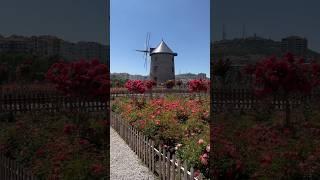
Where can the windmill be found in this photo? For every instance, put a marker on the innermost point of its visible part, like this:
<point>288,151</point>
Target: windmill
<point>146,51</point>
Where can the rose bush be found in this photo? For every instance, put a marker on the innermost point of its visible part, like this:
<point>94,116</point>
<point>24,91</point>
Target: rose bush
<point>284,77</point>
<point>80,78</point>
<point>136,86</point>
<point>246,148</point>
<point>173,123</point>
<point>55,146</point>
<point>198,85</point>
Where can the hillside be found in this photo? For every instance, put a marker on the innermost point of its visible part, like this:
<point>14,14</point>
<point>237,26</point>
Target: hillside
<point>250,49</point>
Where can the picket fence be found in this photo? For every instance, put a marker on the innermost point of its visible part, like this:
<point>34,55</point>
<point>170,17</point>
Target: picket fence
<point>157,95</point>
<point>155,90</point>
<point>27,100</point>
<point>159,161</point>
<point>11,170</point>
<point>50,101</point>
<point>244,99</point>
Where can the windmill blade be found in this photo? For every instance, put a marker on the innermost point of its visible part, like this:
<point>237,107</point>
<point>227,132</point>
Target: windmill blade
<point>146,42</point>
<point>141,50</point>
<point>149,34</point>
<point>146,62</point>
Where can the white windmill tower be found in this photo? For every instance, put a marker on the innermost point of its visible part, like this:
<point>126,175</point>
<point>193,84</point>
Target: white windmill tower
<point>162,61</point>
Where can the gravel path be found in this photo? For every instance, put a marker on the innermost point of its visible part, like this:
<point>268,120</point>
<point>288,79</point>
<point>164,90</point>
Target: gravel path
<point>124,163</point>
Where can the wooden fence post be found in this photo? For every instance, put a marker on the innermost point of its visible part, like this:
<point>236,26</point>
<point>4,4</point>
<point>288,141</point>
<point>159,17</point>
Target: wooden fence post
<point>185,168</point>
<point>173,167</point>
<point>179,169</point>
<point>160,163</point>
<point>153,157</point>
<point>168,165</point>
<point>192,173</point>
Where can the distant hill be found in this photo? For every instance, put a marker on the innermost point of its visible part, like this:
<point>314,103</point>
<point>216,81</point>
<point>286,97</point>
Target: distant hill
<point>249,50</point>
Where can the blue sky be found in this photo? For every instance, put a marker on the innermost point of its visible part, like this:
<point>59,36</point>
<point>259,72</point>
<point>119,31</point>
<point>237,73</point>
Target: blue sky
<point>183,24</point>
<point>71,20</point>
<point>273,18</point>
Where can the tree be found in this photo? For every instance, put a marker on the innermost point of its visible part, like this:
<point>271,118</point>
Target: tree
<point>284,76</point>
<point>198,86</point>
<point>136,86</point>
<point>80,78</point>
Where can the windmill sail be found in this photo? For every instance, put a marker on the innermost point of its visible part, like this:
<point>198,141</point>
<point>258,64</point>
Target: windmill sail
<point>146,51</point>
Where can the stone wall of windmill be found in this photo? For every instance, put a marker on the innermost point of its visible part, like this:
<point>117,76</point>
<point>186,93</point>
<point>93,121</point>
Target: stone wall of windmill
<point>162,67</point>
<point>162,63</point>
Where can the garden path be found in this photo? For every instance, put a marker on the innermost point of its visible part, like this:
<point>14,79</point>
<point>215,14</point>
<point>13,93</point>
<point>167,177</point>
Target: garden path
<point>124,163</point>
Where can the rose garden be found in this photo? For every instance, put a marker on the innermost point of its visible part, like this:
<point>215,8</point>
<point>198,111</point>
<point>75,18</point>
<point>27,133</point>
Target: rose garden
<point>177,124</point>
<point>268,128</point>
<point>47,131</point>
<point>264,130</point>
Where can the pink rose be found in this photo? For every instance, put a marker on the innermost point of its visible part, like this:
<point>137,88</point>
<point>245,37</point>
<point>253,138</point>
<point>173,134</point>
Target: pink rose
<point>204,159</point>
<point>201,141</point>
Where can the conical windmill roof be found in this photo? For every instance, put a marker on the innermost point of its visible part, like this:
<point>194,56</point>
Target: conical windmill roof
<point>162,48</point>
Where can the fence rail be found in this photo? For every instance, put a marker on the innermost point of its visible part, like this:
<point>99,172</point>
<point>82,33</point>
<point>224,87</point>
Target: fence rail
<point>159,161</point>
<point>245,99</point>
<point>155,95</point>
<point>19,102</point>
<point>11,170</point>
<point>155,90</point>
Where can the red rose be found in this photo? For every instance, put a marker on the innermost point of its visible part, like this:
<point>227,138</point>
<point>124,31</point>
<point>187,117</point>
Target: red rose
<point>204,159</point>
<point>97,169</point>
<point>69,128</point>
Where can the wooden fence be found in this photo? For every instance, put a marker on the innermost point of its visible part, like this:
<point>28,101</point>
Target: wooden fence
<point>21,102</point>
<point>11,170</point>
<point>224,99</point>
<point>153,91</point>
<point>159,161</point>
<point>156,95</point>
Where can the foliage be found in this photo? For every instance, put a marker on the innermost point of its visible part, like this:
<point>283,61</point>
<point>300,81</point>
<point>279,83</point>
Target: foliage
<point>196,153</point>
<point>136,86</point>
<point>80,78</point>
<point>172,122</point>
<point>198,85</point>
<point>37,68</point>
<point>169,84</point>
<point>150,84</point>
<point>57,146</point>
<point>117,83</point>
<point>286,75</point>
<point>247,148</point>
